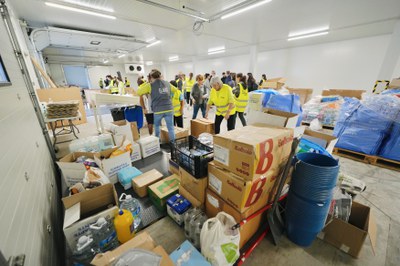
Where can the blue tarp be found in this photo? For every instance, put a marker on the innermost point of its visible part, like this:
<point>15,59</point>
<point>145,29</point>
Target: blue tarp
<point>287,103</point>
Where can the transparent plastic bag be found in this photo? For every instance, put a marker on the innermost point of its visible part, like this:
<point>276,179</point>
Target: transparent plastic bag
<point>138,257</point>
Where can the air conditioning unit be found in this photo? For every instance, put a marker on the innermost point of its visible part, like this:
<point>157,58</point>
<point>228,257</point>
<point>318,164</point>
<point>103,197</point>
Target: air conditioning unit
<point>134,69</point>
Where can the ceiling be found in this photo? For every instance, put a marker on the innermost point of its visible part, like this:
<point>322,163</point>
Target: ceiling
<point>137,23</point>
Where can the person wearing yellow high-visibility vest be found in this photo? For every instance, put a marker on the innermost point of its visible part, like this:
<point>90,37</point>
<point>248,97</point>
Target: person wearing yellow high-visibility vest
<point>114,86</point>
<point>241,94</point>
<point>178,103</point>
<point>189,82</point>
<point>120,86</point>
<point>263,81</point>
<point>127,83</point>
<point>161,93</point>
<point>145,102</point>
<point>101,84</point>
<point>222,97</point>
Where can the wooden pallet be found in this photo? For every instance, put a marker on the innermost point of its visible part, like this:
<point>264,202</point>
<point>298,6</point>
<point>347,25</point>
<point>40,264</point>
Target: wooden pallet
<point>369,159</point>
<point>324,127</point>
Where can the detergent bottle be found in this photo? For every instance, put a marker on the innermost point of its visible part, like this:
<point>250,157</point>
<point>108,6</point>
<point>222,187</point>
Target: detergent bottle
<point>124,225</point>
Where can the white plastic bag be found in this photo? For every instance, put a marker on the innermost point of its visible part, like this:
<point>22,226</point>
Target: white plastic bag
<point>95,175</point>
<point>219,243</point>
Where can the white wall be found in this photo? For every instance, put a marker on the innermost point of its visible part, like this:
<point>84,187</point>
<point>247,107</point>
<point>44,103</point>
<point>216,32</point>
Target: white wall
<point>27,205</point>
<point>350,64</point>
<point>56,73</point>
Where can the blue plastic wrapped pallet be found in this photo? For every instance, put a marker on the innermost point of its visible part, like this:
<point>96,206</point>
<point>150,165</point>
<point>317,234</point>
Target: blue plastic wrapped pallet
<point>267,95</point>
<point>287,103</point>
<point>363,126</point>
<point>177,206</point>
<point>391,146</point>
<point>126,175</point>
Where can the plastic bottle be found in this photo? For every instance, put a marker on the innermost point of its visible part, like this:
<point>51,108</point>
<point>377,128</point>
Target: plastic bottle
<point>104,235</point>
<point>124,226</point>
<point>133,206</point>
<point>198,225</point>
<point>189,215</point>
<point>84,251</point>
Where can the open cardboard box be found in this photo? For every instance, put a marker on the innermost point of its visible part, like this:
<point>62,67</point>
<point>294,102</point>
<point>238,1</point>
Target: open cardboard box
<point>124,128</point>
<point>304,94</point>
<point>274,83</point>
<point>112,165</point>
<point>87,207</point>
<point>71,171</point>
<point>179,133</point>
<point>141,241</point>
<point>395,83</point>
<point>350,236</point>
<point>201,125</point>
<point>324,140</point>
<point>273,117</point>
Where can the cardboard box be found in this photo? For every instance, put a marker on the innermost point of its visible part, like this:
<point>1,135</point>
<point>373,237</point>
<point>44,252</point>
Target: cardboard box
<point>111,166</point>
<point>255,101</point>
<point>195,259</point>
<point>395,83</point>
<point>71,171</point>
<point>237,192</point>
<point>214,204</point>
<point>162,190</point>
<point>201,125</point>
<point>349,237</point>
<point>344,93</point>
<point>324,140</point>
<point>195,202</point>
<point>140,241</point>
<point>304,94</point>
<point>173,167</point>
<point>179,133</point>
<point>149,145</point>
<point>274,83</point>
<point>142,182</point>
<point>85,208</point>
<point>122,128</point>
<point>253,151</point>
<point>273,117</point>
<point>136,153</point>
<point>196,187</point>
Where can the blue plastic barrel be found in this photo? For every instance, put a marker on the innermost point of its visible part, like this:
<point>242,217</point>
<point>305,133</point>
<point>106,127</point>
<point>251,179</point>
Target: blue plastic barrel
<point>134,114</point>
<point>304,219</point>
<point>314,176</point>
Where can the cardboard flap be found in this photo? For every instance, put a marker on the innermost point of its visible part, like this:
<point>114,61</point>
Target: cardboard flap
<point>372,230</point>
<point>72,215</point>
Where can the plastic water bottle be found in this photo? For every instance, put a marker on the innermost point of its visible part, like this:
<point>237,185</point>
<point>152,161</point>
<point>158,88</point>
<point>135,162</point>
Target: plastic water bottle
<point>123,223</point>
<point>84,251</point>
<point>189,216</point>
<point>196,225</point>
<point>132,205</point>
<point>104,234</point>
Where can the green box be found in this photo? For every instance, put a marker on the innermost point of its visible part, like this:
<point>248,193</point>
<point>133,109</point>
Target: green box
<point>161,191</point>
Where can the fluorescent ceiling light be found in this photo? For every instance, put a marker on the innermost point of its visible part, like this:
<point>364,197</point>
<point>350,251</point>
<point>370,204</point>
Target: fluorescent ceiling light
<point>79,10</point>
<point>122,55</point>
<point>174,58</point>
<point>95,42</point>
<point>216,52</point>
<point>215,49</point>
<point>154,43</point>
<point>80,3</point>
<point>151,40</point>
<point>105,61</point>
<point>245,9</point>
<point>308,36</point>
<point>309,31</point>
<point>149,63</point>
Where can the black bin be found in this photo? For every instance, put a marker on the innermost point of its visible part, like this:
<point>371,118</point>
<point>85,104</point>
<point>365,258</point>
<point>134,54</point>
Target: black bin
<point>118,113</point>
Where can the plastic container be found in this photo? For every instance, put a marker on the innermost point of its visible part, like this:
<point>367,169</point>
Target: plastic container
<point>104,235</point>
<point>304,219</point>
<point>118,113</point>
<point>124,226</point>
<point>192,155</point>
<point>84,251</point>
<point>134,114</point>
<point>190,215</point>
<point>314,176</point>
<point>133,205</point>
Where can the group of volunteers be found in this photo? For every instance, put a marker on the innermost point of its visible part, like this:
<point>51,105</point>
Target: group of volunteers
<point>166,100</point>
<point>115,84</point>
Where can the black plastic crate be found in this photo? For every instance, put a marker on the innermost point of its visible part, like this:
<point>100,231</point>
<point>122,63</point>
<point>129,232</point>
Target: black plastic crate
<point>118,113</point>
<point>195,164</point>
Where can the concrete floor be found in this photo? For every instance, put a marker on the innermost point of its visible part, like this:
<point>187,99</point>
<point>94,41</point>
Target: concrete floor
<point>382,195</point>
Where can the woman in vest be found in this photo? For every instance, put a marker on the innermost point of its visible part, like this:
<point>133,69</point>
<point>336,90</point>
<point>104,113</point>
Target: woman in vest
<point>161,102</point>
<point>263,81</point>
<point>198,96</point>
<point>241,94</point>
<point>145,102</point>
<point>178,103</point>
<point>221,96</point>
<point>189,82</point>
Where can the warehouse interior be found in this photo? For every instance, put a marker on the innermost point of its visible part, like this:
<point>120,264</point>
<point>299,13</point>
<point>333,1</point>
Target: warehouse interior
<point>331,93</point>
